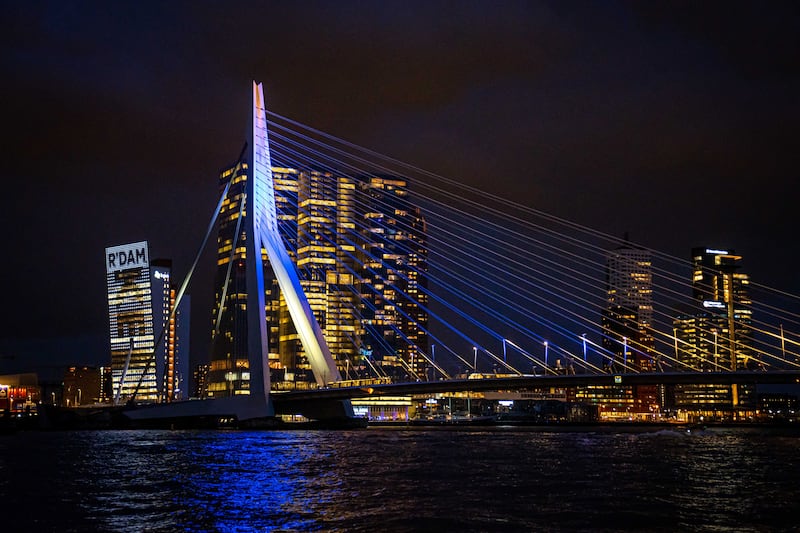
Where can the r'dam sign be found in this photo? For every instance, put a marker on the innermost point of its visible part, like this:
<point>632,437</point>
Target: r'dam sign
<point>125,256</point>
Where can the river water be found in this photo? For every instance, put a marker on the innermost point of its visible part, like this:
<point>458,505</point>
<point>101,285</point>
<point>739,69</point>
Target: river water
<point>392,479</point>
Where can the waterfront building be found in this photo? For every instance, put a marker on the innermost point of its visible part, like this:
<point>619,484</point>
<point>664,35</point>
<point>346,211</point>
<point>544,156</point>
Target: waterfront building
<point>721,291</point>
<point>612,402</point>
<point>19,393</point>
<point>779,406</point>
<point>322,219</point>
<point>173,328</point>
<point>628,341</point>
<point>199,380</point>
<point>395,261</point>
<point>628,318</point>
<point>715,333</point>
<point>229,367</point>
<point>323,230</point>
<point>141,338</point>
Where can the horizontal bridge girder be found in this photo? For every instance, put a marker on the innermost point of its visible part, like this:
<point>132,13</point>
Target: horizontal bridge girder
<point>535,382</point>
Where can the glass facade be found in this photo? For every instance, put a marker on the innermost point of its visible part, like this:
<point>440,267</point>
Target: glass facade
<point>142,338</point>
<point>394,267</point>
<point>716,335</point>
<point>316,221</point>
<point>321,219</point>
<point>628,341</point>
<point>229,367</point>
<point>628,318</point>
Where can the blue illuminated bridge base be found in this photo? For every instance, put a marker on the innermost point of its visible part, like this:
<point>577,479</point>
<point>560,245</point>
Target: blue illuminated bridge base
<point>325,405</point>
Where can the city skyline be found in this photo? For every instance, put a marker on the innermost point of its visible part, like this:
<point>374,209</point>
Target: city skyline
<point>604,153</point>
<point>340,232</point>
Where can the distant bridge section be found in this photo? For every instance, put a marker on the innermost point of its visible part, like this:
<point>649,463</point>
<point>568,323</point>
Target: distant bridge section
<point>285,399</point>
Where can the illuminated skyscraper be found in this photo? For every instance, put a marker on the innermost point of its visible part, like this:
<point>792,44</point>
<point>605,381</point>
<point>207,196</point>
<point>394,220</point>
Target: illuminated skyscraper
<point>142,336</point>
<point>394,267</point>
<point>628,318</point>
<point>717,326</point>
<point>320,217</point>
<point>229,367</point>
<point>627,323</point>
<point>720,323</point>
<point>313,214</point>
<point>323,232</point>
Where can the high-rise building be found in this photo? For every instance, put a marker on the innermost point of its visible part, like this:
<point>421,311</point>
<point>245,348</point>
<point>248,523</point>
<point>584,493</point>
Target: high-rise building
<point>715,334</point>
<point>324,224</point>
<point>627,323</point>
<point>142,335</point>
<point>312,210</point>
<point>628,320</point>
<point>320,218</point>
<point>229,367</point>
<point>199,380</point>
<point>719,324</point>
<point>395,260</point>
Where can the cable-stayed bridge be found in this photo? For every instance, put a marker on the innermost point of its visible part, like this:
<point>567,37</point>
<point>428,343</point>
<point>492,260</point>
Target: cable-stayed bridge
<point>373,272</point>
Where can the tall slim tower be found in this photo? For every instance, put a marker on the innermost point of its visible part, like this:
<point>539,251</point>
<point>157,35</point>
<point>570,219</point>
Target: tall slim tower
<point>720,324</point>
<point>394,267</point>
<point>141,337</point>
<point>324,254</point>
<point>628,318</point>
<point>627,323</point>
<point>164,294</point>
<point>716,333</point>
<point>229,367</point>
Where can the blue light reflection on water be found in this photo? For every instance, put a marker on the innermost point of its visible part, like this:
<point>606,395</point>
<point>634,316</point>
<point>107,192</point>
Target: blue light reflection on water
<point>397,480</point>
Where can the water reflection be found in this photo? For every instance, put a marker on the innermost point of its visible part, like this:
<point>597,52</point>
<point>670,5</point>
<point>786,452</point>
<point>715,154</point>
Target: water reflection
<point>396,480</point>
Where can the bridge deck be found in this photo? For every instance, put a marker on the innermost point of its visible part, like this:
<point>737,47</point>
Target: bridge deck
<point>534,382</point>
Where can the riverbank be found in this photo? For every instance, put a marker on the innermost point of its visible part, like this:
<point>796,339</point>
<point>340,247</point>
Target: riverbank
<point>788,428</point>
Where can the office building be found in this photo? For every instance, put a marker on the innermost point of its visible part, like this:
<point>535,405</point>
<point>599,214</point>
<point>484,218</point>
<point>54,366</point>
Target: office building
<point>715,333</point>
<point>628,317</point>
<point>229,367</point>
<point>199,380</point>
<point>312,212</point>
<point>395,261</point>
<point>719,322</point>
<point>324,255</point>
<point>141,332</point>
<point>627,322</point>
<point>322,219</point>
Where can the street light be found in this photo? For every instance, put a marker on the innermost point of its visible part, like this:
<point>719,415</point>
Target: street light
<point>716,353</point>
<point>584,347</point>
<point>783,344</point>
<point>504,351</point>
<point>545,354</point>
<point>475,354</point>
<point>625,351</point>
<point>675,337</point>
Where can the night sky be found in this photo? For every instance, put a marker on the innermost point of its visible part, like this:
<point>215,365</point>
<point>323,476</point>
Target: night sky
<point>677,122</point>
